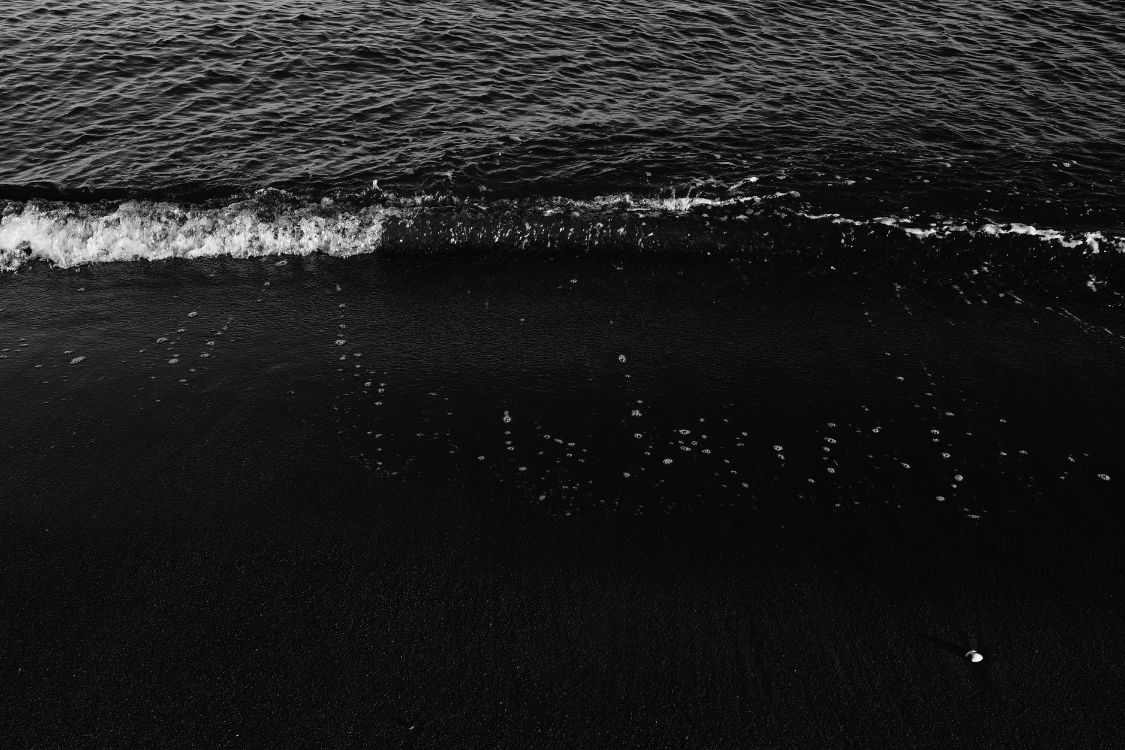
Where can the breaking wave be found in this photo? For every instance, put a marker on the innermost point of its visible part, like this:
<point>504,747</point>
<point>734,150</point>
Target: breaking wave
<point>74,234</point>
<point>273,223</point>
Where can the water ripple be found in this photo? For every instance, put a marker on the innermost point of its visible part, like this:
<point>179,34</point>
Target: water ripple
<point>1010,107</point>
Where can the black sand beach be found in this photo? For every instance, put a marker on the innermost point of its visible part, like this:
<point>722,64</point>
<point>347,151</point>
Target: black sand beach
<point>257,548</point>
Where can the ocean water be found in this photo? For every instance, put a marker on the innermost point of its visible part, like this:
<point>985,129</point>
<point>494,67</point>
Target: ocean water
<point>890,169</point>
<point>160,129</point>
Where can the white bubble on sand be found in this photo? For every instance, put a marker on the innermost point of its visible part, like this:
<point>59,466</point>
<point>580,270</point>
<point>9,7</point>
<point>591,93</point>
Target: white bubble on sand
<point>507,417</point>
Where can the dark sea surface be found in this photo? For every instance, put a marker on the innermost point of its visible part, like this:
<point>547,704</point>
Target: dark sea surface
<point>560,374</point>
<point>960,117</point>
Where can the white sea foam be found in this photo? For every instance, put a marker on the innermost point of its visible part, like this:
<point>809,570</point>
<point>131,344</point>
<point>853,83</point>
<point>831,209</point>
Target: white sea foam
<point>680,205</point>
<point>72,235</point>
<point>1094,242</point>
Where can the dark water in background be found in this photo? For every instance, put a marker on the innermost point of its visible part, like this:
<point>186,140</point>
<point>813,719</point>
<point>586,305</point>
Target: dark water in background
<point>963,114</point>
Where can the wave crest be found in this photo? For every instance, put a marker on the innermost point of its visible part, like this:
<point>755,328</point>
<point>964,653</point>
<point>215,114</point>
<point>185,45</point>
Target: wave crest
<point>75,234</point>
<point>273,222</point>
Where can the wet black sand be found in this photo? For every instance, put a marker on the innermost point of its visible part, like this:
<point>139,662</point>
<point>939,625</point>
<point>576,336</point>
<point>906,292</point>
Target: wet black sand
<point>234,561</point>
